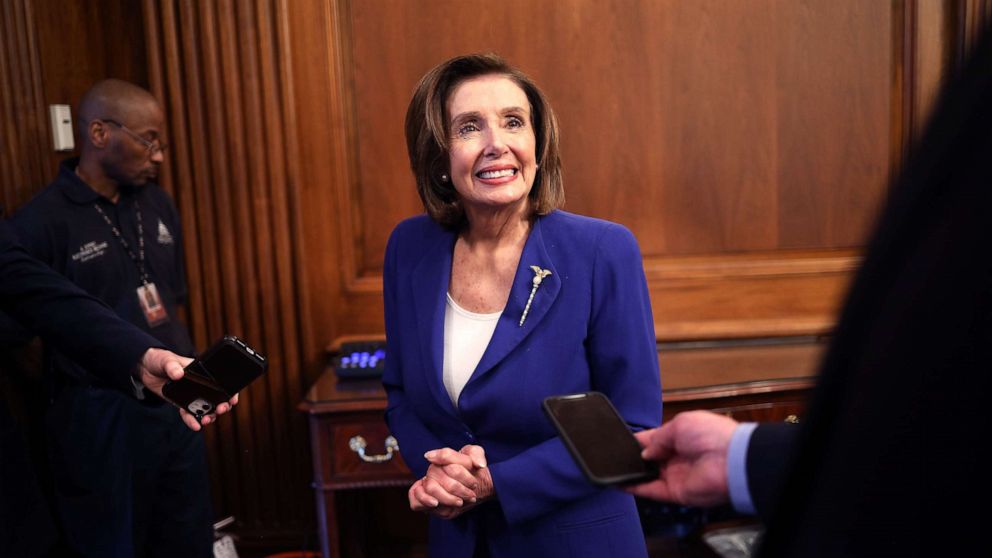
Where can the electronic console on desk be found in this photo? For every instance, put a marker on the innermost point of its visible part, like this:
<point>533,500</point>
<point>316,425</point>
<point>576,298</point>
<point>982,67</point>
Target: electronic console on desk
<point>360,359</point>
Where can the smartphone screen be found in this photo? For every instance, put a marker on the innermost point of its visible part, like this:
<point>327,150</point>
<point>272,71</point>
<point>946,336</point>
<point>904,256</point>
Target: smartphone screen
<point>599,439</point>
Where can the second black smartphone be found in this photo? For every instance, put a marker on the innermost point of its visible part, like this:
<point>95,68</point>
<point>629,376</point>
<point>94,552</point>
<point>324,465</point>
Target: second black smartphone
<point>215,376</point>
<point>599,439</point>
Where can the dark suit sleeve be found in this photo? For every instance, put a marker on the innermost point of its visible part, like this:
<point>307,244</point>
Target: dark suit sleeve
<point>769,456</point>
<point>78,324</point>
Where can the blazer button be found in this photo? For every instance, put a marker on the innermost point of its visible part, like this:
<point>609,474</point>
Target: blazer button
<point>469,437</point>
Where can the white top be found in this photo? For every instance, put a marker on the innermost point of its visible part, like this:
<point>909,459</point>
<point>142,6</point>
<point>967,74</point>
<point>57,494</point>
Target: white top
<point>466,336</point>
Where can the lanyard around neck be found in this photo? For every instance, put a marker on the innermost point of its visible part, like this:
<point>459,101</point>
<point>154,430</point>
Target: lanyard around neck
<point>139,260</point>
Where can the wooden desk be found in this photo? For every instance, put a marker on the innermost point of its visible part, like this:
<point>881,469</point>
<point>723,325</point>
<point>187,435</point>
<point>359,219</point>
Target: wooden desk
<point>340,415</point>
<point>340,412</point>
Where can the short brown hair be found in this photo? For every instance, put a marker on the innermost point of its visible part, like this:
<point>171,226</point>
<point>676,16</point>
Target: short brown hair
<point>427,137</point>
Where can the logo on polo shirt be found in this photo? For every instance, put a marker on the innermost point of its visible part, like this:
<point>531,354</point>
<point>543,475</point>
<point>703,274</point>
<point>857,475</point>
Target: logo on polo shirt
<point>164,236</point>
<point>89,251</point>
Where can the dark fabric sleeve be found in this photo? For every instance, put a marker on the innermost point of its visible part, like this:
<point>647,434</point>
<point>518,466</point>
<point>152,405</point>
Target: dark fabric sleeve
<point>76,323</point>
<point>12,334</point>
<point>769,456</point>
<point>894,446</point>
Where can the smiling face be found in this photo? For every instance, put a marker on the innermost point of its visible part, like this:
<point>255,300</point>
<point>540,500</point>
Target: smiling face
<point>492,147</point>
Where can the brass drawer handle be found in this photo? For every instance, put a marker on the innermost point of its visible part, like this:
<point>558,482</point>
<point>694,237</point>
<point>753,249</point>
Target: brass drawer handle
<point>357,445</point>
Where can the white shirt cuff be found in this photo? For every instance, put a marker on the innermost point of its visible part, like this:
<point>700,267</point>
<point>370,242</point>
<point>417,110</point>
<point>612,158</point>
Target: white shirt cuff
<point>740,495</point>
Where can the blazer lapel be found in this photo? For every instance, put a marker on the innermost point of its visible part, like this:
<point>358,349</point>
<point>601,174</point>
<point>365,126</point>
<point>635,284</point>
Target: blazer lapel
<point>430,279</point>
<point>509,333</point>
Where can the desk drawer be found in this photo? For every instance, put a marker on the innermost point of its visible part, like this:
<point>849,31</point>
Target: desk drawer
<point>342,440</point>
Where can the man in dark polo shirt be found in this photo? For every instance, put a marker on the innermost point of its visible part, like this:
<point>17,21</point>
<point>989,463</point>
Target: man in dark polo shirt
<point>130,478</point>
<point>49,305</point>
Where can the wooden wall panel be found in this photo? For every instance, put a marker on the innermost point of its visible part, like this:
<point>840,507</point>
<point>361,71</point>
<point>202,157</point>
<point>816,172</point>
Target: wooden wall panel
<point>723,133</point>
<point>22,147</point>
<point>687,121</point>
<point>52,51</point>
<point>218,65</point>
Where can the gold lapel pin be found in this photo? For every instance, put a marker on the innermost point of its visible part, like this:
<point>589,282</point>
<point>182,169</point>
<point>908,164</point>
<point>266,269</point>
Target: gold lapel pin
<point>539,275</point>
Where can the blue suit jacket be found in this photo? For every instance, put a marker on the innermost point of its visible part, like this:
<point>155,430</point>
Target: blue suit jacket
<point>590,327</point>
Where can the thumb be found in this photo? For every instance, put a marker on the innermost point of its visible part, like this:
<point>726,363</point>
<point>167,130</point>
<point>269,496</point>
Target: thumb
<point>174,369</point>
<point>657,443</point>
<point>164,364</point>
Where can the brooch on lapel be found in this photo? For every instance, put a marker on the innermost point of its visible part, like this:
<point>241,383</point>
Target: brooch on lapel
<point>539,275</point>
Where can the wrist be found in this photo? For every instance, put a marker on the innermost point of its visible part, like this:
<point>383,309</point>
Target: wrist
<point>138,372</point>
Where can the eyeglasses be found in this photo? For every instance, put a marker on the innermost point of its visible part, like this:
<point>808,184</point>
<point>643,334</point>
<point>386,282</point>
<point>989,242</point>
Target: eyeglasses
<point>151,146</point>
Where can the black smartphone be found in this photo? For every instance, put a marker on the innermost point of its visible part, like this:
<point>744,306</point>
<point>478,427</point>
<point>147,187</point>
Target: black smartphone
<point>599,439</point>
<point>215,376</point>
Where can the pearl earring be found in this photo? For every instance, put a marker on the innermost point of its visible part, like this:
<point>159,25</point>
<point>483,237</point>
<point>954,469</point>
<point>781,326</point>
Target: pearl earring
<point>444,178</point>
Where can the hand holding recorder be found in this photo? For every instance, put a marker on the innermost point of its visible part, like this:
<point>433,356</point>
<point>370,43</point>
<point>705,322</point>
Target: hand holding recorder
<point>210,384</point>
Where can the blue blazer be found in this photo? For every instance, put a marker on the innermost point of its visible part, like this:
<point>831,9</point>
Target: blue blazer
<point>590,327</point>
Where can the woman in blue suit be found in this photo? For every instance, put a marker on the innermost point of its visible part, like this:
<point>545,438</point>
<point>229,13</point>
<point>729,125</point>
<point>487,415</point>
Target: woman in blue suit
<point>495,300</point>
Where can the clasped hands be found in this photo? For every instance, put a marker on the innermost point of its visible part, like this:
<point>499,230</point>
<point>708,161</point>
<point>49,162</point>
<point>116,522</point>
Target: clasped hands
<point>456,481</point>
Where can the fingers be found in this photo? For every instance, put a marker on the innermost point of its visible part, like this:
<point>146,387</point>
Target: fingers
<point>438,488</point>
<point>454,471</point>
<point>476,453</point>
<point>190,420</point>
<point>227,406</point>
<point>455,480</point>
<point>426,494</point>
<point>421,500</point>
<point>448,456</point>
<point>452,485</point>
<point>657,443</point>
<point>656,490</point>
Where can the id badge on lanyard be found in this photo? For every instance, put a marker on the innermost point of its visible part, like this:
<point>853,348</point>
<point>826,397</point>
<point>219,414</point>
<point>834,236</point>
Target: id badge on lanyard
<point>151,305</point>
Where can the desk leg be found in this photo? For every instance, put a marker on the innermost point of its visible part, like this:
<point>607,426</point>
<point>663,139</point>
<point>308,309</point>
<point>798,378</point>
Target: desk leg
<point>330,544</point>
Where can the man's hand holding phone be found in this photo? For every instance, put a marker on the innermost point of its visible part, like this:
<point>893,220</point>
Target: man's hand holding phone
<point>210,383</point>
<point>159,366</point>
<point>691,450</point>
